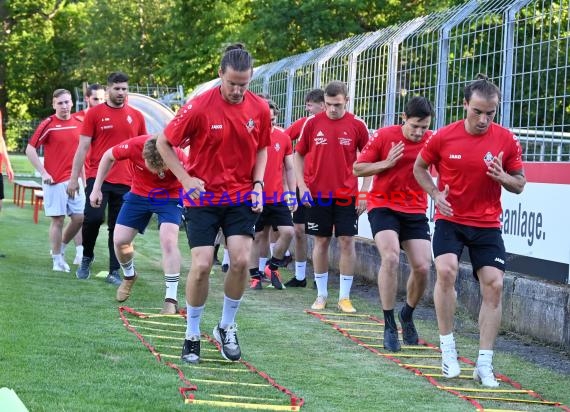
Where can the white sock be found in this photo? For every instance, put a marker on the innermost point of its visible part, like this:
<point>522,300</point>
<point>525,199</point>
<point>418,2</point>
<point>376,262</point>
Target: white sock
<point>56,258</point>
<point>271,248</point>
<point>229,312</point>
<point>128,268</point>
<point>345,285</point>
<point>63,247</point>
<point>79,250</point>
<point>193,317</point>
<point>322,280</point>
<point>485,357</point>
<point>300,268</point>
<point>226,258</point>
<point>171,280</point>
<point>262,263</point>
<point>447,341</point>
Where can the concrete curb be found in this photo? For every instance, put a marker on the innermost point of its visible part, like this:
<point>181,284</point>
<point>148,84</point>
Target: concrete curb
<point>531,307</point>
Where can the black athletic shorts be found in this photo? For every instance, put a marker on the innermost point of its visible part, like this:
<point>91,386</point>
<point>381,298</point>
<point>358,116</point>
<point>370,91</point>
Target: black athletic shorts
<point>202,223</point>
<point>486,247</point>
<point>406,225</point>
<point>328,213</point>
<point>274,215</point>
<point>1,186</point>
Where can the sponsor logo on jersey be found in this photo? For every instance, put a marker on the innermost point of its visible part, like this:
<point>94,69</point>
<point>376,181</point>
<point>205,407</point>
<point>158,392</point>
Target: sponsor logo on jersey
<point>216,127</point>
<point>455,156</point>
<point>345,141</point>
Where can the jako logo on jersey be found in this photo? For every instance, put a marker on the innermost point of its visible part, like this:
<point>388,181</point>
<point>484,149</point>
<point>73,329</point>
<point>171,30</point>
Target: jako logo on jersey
<point>129,119</point>
<point>501,261</point>
<point>250,125</point>
<point>216,127</point>
<point>455,156</point>
<point>488,158</point>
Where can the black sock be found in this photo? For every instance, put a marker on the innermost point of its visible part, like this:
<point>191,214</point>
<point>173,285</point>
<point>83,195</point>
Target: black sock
<point>253,272</point>
<point>407,312</point>
<point>275,263</point>
<point>389,321</point>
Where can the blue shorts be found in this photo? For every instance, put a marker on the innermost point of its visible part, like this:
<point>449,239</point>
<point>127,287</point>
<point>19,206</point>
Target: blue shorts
<point>137,211</point>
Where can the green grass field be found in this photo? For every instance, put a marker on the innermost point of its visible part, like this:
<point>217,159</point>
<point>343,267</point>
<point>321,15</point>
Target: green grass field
<point>64,348</point>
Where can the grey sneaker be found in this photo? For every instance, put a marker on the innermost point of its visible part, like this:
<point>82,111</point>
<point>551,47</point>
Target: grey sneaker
<point>227,338</point>
<point>114,278</point>
<point>84,269</point>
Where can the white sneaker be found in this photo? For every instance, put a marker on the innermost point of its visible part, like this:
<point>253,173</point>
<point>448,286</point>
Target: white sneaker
<point>60,266</point>
<point>485,376</point>
<point>449,364</point>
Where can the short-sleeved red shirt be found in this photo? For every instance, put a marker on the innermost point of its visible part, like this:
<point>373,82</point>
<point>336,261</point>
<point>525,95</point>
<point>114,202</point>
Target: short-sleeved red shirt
<point>461,160</point>
<point>224,140</point>
<point>332,145</point>
<point>280,147</point>
<point>59,139</point>
<point>395,188</point>
<point>107,127</point>
<point>146,183</point>
<point>294,132</point>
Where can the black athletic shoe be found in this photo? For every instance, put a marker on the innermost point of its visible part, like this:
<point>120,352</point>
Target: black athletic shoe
<point>191,350</point>
<point>225,267</point>
<point>409,332</point>
<point>391,341</point>
<point>296,283</point>
<point>228,340</point>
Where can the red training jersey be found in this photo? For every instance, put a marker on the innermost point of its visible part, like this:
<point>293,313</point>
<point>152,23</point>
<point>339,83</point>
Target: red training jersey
<point>146,183</point>
<point>462,160</point>
<point>59,139</point>
<point>395,188</point>
<point>294,132</point>
<point>107,127</point>
<point>224,140</point>
<point>332,145</point>
<point>273,179</point>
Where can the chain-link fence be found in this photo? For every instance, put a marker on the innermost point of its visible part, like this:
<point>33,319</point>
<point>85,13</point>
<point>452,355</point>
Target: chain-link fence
<point>522,45</point>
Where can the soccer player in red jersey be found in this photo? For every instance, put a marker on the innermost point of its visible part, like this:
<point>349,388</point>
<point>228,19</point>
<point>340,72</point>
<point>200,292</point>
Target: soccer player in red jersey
<point>475,159</point>
<point>397,213</point>
<point>59,136</point>
<point>278,201</point>
<point>94,96</point>
<point>314,103</point>
<point>105,126</point>
<point>228,130</point>
<point>154,189</point>
<point>332,139</point>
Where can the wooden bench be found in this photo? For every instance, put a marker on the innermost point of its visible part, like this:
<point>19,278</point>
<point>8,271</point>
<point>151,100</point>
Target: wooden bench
<point>20,187</point>
<point>38,203</point>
